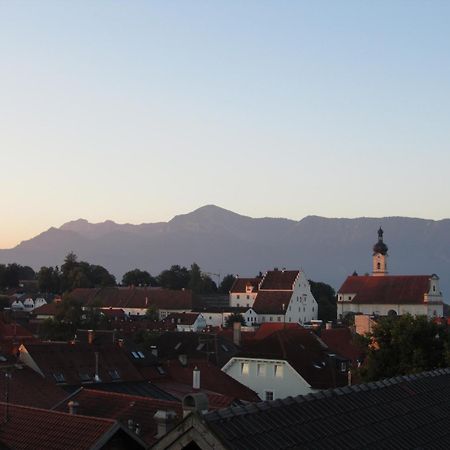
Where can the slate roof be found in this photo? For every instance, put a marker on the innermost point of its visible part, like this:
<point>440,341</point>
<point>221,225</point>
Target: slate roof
<point>303,351</point>
<point>32,428</point>
<point>398,289</point>
<point>122,407</point>
<point>240,285</point>
<point>271,302</point>
<point>279,280</point>
<point>408,412</point>
<point>134,297</point>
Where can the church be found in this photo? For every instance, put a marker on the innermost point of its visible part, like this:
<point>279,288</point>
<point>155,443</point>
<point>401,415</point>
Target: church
<point>383,294</point>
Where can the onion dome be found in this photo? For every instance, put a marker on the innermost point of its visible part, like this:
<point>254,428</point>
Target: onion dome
<point>380,246</point>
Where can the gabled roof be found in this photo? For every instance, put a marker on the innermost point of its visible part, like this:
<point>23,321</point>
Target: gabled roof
<point>303,351</point>
<point>399,289</point>
<point>340,340</point>
<point>403,412</point>
<point>240,285</point>
<point>134,297</point>
<point>27,428</point>
<point>267,328</point>
<point>14,331</point>
<point>272,302</point>
<point>74,364</point>
<point>49,309</point>
<point>279,280</point>
<point>182,318</point>
<point>122,407</point>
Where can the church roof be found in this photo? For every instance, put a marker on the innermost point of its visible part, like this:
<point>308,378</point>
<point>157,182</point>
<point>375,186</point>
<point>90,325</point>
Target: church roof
<point>400,289</point>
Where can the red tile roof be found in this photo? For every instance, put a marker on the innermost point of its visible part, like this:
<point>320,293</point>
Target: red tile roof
<point>13,330</point>
<point>32,428</point>
<point>240,285</point>
<point>75,360</point>
<point>341,341</point>
<point>134,297</point>
<point>48,309</point>
<point>403,289</point>
<point>26,387</point>
<point>266,329</point>
<point>279,280</point>
<point>271,302</point>
<point>303,351</point>
<point>182,318</point>
<point>123,407</point>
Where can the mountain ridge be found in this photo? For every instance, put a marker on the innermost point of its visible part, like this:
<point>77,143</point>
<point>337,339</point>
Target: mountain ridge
<point>222,241</point>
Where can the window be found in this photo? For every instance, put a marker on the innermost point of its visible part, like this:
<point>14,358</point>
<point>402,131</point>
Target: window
<point>238,305</point>
<point>238,297</point>
<point>200,346</point>
<point>271,318</point>
<point>269,396</point>
<point>248,304</point>
<point>289,319</point>
<point>114,374</point>
<point>378,266</point>
<point>177,346</point>
<point>244,368</point>
<point>313,308</point>
<point>224,347</point>
<point>248,297</point>
<point>263,319</point>
<point>261,370</point>
<point>85,377</point>
<point>278,370</point>
<point>59,377</point>
<point>160,370</point>
<point>135,355</point>
<point>434,288</point>
<point>279,319</point>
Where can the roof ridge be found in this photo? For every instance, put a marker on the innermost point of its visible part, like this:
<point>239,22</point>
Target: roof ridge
<point>345,390</point>
<point>121,394</point>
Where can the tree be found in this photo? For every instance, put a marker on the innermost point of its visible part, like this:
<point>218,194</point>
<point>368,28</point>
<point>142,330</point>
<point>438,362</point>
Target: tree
<point>326,300</point>
<point>404,345</point>
<point>152,313</point>
<point>174,278</point>
<point>49,279</point>
<point>226,284</point>
<point>234,317</point>
<point>138,277</point>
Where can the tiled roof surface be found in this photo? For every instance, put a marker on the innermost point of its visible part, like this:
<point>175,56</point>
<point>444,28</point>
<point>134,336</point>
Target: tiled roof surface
<point>134,297</point>
<point>206,346</point>
<point>400,289</point>
<point>74,360</point>
<point>49,309</point>
<point>240,285</point>
<point>32,428</point>
<point>340,340</point>
<point>279,280</point>
<point>211,378</point>
<point>139,388</point>
<point>123,407</point>
<point>26,387</point>
<point>13,330</point>
<point>400,413</point>
<point>303,351</point>
<point>271,302</point>
<point>182,318</point>
<point>267,328</point>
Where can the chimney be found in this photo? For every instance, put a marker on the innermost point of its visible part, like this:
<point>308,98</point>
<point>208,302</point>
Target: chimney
<point>137,430</point>
<point>196,378</point>
<point>349,377</point>
<point>120,342</point>
<point>96,376</point>
<point>237,333</point>
<point>196,402</point>
<point>73,407</point>
<point>165,421</point>
<point>154,350</point>
<point>90,336</point>
<point>131,424</point>
<point>329,325</point>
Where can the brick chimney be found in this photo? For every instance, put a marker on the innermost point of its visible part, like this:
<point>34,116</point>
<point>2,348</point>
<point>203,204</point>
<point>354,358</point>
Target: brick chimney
<point>196,378</point>
<point>91,336</point>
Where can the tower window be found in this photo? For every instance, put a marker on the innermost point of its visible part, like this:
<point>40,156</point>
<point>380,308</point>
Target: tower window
<point>378,266</point>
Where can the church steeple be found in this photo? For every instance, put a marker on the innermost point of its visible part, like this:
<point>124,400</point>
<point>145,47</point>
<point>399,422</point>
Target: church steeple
<point>380,255</point>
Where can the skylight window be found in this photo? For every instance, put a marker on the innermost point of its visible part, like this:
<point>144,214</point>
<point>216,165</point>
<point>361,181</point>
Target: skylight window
<point>85,377</point>
<point>178,346</point>
<point>224,347</point>
<point>114,374</point>
<point>59,377</point>
<point>141,355</point>
<point>161,370</point>
<point>135,355</point>
<point>200,346</point>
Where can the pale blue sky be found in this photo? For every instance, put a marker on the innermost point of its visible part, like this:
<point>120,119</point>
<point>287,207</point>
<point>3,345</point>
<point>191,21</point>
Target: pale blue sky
<point>136,110</point>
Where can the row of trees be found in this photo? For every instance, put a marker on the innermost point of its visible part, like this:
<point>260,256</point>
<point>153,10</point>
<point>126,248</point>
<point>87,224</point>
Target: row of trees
<point>12,274</point>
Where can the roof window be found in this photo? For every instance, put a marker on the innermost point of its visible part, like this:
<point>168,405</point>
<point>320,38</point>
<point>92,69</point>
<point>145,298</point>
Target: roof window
<point>177,346</point>
<point>85,377</point>
<point>59,377</point>
<point>114,374</point>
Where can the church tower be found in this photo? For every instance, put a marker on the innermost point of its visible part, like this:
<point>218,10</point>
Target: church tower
<point>380,256</point>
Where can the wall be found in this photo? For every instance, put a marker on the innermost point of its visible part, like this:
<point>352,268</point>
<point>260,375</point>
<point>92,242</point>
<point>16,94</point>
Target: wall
<point>261,377</point>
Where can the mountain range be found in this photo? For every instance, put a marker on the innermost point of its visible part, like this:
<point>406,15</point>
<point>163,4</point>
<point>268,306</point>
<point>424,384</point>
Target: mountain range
<point>222,242</point>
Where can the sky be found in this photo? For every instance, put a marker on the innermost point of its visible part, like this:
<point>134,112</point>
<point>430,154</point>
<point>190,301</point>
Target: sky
<point>136,111</point>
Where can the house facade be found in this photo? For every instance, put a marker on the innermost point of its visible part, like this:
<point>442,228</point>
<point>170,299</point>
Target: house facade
<point>383,294</point>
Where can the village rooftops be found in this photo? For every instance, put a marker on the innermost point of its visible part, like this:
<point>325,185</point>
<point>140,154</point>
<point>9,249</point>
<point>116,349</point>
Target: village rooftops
<point>243,285</point>
<point>279,280</point>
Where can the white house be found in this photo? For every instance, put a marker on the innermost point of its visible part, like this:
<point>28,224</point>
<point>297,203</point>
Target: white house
<point>243,292</point>
<point>280,296</point>
<point>187,321</point>
<point>382,294</point>
<point>217,317</point>
<point>288,362</point>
